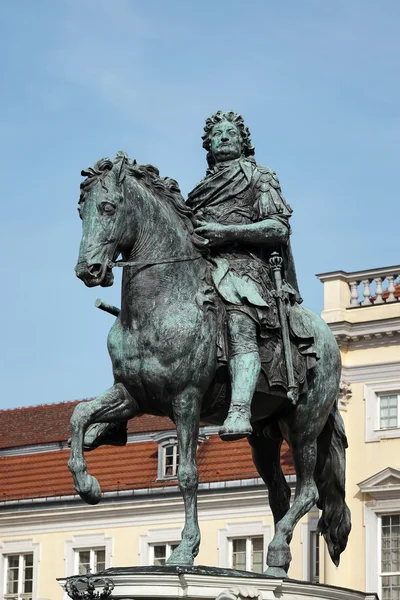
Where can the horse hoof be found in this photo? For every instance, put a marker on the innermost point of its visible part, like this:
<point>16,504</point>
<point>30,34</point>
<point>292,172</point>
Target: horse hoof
<point>279,557</point>
<point>180,558</point>
<point>93,495</point>
<point>276,572</point>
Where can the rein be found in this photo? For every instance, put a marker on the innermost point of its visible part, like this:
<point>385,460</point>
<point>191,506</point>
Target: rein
<point>150,263</point>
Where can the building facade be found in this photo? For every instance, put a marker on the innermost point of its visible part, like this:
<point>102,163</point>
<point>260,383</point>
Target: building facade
<point>363,311</point>
<point>46,531</point>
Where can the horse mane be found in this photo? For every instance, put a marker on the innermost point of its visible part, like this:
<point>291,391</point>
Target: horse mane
<point>165,188</point>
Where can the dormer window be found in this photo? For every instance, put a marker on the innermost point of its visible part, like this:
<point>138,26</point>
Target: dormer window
<point>170,460</point>
<point>168,455</point>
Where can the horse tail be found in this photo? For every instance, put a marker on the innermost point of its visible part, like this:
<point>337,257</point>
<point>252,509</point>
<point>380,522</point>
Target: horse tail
<point>335,521</point>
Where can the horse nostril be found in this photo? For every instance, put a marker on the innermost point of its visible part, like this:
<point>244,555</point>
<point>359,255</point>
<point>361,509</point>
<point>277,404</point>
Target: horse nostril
<point>95,270</point>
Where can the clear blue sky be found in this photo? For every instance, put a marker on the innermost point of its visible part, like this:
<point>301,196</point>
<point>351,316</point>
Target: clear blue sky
<point>317,83</point>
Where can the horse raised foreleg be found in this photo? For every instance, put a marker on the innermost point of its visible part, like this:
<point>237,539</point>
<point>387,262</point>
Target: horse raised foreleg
<point>304,457</point>
<point>115,404</point>
<point>186,416</point>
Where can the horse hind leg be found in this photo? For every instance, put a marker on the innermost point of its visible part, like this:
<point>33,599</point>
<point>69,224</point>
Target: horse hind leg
<point>266,456</point>
<point>116,404</point>
<point>304,451</point>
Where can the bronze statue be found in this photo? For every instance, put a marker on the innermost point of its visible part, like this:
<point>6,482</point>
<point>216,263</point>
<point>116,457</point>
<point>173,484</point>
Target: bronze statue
<point>208,284</point>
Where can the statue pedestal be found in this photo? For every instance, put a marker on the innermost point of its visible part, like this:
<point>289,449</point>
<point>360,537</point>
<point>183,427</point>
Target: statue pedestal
<point>205,583</point>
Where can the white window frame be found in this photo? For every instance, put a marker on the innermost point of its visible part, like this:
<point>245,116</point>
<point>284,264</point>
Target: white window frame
<point>373,541</point>
<point>79,543</point>
<point>19,547</point>
<point>91,551</point>
<point>372,393</point>
<point>168,550</point>
<point>249,549</point>
<point>380,573</point>
<point>307,529</point>
<point>163,442</point>
<point>383,395</point>
<point>383,498</point>
<point>241,530</point>
<point>175,460</point>
<point>156,537</point>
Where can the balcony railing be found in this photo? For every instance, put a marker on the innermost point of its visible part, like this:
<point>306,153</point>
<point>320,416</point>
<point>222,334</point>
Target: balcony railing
<point>375,286</point>
<point>372,287</point>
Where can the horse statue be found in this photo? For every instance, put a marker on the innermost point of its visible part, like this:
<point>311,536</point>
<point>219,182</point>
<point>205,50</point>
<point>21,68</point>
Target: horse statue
<point>163,348</point>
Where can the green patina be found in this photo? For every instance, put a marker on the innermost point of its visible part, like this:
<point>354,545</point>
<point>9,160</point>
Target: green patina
<point>211,326</point>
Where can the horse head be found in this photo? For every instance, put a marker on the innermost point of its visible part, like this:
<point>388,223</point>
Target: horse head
<point>121,204</point>
<point>103,211</point>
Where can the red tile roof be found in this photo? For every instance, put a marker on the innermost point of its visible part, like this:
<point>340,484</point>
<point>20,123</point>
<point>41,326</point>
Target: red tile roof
<point>45,474</point>
<point>48,423</point>
<point>129,468</point>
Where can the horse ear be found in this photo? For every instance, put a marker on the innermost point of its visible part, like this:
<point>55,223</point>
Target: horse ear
<point>124,157</point>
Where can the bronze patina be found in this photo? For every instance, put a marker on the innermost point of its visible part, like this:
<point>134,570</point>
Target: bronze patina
<point>211,328</point>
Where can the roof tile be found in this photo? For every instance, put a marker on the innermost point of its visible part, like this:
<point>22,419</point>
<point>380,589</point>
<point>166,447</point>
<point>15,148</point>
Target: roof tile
<point>131,468</point>
<point>47,423</point>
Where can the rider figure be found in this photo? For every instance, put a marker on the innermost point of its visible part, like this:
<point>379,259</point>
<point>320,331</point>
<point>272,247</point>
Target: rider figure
<point>240,210</point>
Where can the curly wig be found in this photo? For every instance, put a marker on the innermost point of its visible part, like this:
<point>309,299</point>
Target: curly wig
<point>236,119</point>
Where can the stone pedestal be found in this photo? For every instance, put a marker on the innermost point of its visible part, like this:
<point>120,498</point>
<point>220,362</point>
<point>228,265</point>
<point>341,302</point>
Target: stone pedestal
<point>203,583</point>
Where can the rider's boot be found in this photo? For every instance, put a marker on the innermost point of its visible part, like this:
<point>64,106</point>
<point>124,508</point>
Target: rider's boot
<point>244,371</point>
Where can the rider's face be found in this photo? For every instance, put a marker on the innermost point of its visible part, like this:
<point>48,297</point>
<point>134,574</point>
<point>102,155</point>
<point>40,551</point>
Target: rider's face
<point>226,141</point>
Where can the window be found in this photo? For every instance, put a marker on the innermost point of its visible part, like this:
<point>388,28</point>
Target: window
<point>85,553</point>
<point>247,554</point>
<point>159,553</point>
<point>157,545</point>
<point>243,546</point>
<point>19,562</point>
<point>19,576</point>
<point>390,557</point>
<point>382,532</point>
<point>92,559</point>
<point>168,455</point>
<point>388,411</point>
<point>382,410</point>
<point>314,556</point>
<point>310,540</point>
<point>170,460</point>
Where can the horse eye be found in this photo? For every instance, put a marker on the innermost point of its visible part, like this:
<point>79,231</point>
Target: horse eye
<point>107,208</point>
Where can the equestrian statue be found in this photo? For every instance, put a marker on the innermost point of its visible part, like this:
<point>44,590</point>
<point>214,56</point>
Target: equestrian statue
<point>212,329</point>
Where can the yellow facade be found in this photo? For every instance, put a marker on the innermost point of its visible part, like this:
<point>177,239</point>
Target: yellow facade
<point>368,333</point>
<point>129,527</point>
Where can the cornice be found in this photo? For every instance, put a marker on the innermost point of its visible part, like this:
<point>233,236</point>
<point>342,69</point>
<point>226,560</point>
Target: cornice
<point>370,372</point>
<point>251,499</point>
<point>383,332</point>
<point>359,275</point>
<point>124,512</point>
<point>186,583</point>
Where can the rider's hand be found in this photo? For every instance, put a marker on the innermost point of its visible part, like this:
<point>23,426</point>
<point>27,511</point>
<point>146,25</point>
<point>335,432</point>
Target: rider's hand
<point>215,233</point>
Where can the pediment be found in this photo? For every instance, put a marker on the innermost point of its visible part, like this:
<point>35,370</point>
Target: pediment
<point>385,482</point>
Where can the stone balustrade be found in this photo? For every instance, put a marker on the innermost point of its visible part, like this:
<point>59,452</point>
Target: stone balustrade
<point>375,286</point>
<point>362,307</point>
<point>372,287</point>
